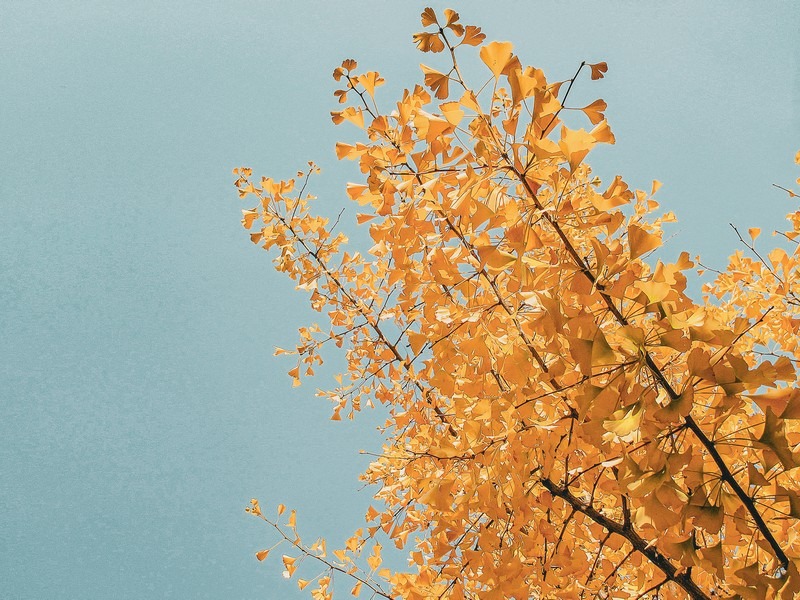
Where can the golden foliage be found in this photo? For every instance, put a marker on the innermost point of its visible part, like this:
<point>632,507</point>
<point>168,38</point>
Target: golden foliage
<point>564,420</point>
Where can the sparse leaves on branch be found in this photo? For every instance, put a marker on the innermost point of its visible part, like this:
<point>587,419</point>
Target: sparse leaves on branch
<point>564,420</point>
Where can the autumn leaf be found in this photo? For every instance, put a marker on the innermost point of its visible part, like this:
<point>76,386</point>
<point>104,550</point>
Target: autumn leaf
<point>595,111</point>
<point>496,56</point>
<point>494,258</point>
<point>248,217</point>
<point>641,242</point>
<point>370,81</point>
<point>289,565</point>
<point>429,17</point>
<point>602,133</point>
<point>575,144</point>
<point>598,70</point>
<point>451,17</point>
<point>473,36</point>
<point>428,42</point>
<point>438,82</point>
<point>452,112</point>
<point>354,115</point>
<point>523,83</point>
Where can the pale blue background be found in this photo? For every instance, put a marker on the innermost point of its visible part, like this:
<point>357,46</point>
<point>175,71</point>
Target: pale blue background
<point>140,405</point>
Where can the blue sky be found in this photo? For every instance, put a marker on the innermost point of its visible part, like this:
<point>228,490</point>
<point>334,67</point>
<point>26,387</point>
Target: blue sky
<point>141,405</point>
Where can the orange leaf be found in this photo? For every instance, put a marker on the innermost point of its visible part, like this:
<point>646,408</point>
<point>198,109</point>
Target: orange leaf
<point>248,217</point>
<point>495,259</point>
<point>428,42</point>
<point>451,16</point>
<point>598,69</point>
<point>575,144</point>
<point>452,112</point>
<point>595,111</point>
<point>370,81</point>
<point>352,114</point>
<point>496,55</point>
<point>603,134</point>
<point>523,84</point>
<point>656,186</point>
<point>473,36</point>
<point>438,82</point>
<point>641,242</point>
<point>428,17</point>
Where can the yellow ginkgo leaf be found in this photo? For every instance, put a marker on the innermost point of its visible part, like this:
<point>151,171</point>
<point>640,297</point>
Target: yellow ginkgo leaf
<point>370,81</point>
<point>575,144</point>
<point>523,83</point>
<point>429,42</point>
<point>473,36</point>
<point>496,55</point>
<point>453,112</point>
<point>602,133</point>
<point>438,82</point>
<point>450,16</point>
<point>595,111</point>
<point>289,565</point>
<point>248,217</point>
<point>495,259</point>
<point>656,186</point>
<point>352,114</point>
<point>624,421</point>
<point>641,242</point>
<point>428,17</point>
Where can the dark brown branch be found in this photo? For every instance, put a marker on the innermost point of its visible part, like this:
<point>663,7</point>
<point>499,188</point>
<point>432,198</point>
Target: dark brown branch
<point>566,95</point>
<point>634,539</point>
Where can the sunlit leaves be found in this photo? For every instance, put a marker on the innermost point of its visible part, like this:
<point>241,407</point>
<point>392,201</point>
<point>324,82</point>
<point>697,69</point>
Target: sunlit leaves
<point>562,418</point>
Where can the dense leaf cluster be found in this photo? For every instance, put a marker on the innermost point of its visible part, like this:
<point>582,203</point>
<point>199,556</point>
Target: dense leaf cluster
<point>565,421</point>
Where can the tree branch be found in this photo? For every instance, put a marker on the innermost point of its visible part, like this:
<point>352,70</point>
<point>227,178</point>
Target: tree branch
<point>639,544</point>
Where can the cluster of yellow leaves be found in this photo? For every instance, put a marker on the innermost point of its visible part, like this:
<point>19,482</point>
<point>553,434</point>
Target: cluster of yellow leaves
<point>564,420</point>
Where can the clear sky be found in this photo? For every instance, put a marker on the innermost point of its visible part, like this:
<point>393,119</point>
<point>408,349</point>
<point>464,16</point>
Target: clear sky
<point>140,406</point>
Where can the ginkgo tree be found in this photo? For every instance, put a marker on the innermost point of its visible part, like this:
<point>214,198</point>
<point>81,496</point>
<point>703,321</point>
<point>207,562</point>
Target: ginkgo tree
<point>564,420</point>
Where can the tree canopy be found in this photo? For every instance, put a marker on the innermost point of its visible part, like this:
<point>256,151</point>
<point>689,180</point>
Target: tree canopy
<point>564,420</point>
